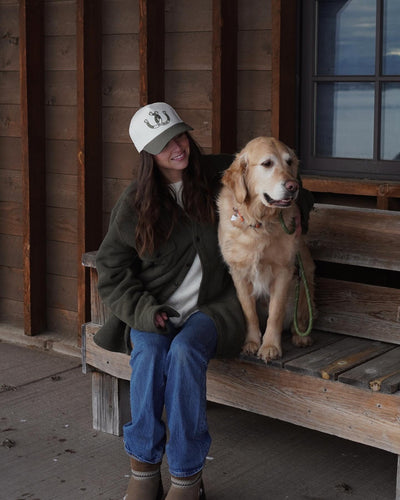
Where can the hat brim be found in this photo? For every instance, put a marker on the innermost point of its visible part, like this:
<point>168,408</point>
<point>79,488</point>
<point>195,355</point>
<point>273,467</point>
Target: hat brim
<point>155,146</point>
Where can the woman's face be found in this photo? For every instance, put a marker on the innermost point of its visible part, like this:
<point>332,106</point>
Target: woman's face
<point>174,158</point>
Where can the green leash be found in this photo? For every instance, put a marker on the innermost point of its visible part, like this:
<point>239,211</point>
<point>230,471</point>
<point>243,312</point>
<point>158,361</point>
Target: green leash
<point>302,277</point>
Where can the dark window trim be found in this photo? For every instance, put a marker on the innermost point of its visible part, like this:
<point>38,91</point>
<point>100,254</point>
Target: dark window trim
<point>337,167</point>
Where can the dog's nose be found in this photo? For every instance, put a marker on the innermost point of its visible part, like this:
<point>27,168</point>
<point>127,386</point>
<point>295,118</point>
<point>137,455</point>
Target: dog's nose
<point>291,186</point>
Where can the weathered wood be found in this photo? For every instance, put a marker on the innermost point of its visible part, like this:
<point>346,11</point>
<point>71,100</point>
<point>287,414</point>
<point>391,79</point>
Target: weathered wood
<point>113,363</point>
<point>61,258</point>
<point>189,89</point>
<point>99,311</point>
<point>61,224</point>
<point>11,217</point>
<point>179,51</point>
<point>224,76</point>
<point>358,309</point>
<point>61,53</point>
<point>10,148</point>
<point>120,16</point>
<point>187,16</point>
<point>334,359</point>
<point>89,125</point>
<point>366,417</point>
<point>151,28</point>
<point>62,292</point>
<point>121,52</point>
<point>360,187</point>
<point>10,255</point>
<point>33,164</point>
<point>252,124</point>
<point>398,479</point>
<point>254,91</point>
<point>380,374</point>
<point>110,396</point>
<point>356,236</point>
<point>120,88</point>
<point>255,52</point>
<point>284,43</point>
<point>291,352</point>
<point>62,320</point>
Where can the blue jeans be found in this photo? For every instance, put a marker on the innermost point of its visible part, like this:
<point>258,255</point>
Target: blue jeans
<point>171,370</point>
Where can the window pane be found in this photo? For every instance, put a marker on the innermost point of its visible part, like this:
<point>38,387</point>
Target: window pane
<point>391,38</point>
<point>390,138</point>
<point>344,124</point>
<point>346,37</point>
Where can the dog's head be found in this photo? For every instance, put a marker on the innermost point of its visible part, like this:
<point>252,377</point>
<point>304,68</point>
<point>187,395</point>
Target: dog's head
<point>265,170</point>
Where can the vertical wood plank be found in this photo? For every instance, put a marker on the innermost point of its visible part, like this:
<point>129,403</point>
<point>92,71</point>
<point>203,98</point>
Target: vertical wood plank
<point>152,50</point>
<point>33,163</point>
<point>110,403</point>
<point>398,479</point>
<point>89,147</point>
<point>224,75</point>
<point>284,59</point>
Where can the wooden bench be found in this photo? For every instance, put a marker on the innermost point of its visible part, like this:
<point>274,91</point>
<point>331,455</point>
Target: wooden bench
<point>346,384</point>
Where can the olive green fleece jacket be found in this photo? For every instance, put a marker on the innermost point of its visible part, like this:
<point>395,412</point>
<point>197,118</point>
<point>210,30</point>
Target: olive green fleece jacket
<point>135,288</point>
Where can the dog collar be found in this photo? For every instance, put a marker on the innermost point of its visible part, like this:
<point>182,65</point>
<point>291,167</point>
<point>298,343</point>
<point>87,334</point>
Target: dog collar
<point>237,216</point>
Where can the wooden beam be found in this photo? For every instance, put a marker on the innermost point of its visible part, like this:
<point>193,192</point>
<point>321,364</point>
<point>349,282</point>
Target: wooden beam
<point>33,163</point>
<point>284,57</point>
<point>151,50</point>
<point>383,191</point>
<point>224,75</point>
<point>89,130</point>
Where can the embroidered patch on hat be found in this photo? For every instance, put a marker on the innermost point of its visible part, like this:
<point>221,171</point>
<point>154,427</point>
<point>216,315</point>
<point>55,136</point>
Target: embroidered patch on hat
<point>154,125</point>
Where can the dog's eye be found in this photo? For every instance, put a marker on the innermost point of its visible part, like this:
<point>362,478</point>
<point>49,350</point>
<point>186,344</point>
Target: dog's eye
<point>267,163</point>
<point>289,161</point>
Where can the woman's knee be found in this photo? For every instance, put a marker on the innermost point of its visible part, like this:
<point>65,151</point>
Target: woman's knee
<point>149,346</point>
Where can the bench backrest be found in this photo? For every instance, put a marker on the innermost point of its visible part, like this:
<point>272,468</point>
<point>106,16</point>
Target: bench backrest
<point>356,300</point>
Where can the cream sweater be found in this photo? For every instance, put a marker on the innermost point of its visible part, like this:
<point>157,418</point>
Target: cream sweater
<point>185,298</point>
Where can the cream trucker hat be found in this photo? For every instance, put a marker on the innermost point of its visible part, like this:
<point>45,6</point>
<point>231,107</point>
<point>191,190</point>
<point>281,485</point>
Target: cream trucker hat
<point>154,125</point>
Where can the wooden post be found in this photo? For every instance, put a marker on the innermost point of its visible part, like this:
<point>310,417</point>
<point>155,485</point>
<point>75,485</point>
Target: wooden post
<point>284,57</point>
<point>224,70</point>
<point>89,126</point>
<point>151,49</point>
<point>33,163</point>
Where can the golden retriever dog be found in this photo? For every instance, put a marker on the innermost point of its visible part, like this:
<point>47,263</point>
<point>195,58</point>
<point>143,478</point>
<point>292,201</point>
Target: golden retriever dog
<point>260,239</point>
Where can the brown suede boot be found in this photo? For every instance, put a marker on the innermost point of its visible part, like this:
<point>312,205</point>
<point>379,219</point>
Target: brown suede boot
<point>145,482</point>
<point>186,488</point>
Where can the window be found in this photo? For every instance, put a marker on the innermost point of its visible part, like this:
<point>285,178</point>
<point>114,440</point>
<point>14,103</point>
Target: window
<point>350,88</point>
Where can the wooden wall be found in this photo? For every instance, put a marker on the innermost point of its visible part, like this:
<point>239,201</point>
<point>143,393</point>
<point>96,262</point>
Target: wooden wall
<point>189,84</point>
<point>11,219</point>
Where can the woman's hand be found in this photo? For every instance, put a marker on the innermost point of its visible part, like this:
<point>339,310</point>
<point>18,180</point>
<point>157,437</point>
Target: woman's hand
<point>160,319</point>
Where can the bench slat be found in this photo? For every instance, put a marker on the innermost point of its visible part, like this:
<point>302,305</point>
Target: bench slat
<point>330,361</point>
<point>358,309</point>
<point>355,236</point>
<point>363,416</point>
<point>291,351</point>
<point>113,363</point>
<point>380,374</point>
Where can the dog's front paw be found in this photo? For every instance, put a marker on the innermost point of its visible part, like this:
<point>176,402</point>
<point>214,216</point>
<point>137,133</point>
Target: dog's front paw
<point>300,341</point>
<point>250,347</point>
<point>268,352</point>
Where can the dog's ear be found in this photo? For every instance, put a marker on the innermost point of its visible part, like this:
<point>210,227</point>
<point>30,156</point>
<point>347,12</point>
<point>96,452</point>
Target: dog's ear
<point>234,177</point>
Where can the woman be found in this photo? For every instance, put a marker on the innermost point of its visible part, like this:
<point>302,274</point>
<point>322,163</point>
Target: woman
<point>173,303</point>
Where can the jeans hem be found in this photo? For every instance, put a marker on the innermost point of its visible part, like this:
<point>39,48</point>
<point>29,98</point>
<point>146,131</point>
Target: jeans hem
<point>141,459</point>
<point>183,474</point>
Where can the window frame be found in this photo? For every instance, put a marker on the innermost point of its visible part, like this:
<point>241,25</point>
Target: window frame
<point>375,169</point>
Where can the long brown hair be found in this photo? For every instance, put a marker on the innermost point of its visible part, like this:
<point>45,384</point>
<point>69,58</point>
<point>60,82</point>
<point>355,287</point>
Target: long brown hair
<point>156,206</point>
